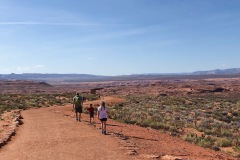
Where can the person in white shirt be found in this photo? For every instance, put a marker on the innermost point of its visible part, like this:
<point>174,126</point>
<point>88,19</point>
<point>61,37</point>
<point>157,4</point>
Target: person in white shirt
<point>102,116</point>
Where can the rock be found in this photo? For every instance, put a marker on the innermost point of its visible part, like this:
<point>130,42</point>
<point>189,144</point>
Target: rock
<point>163,94</point>
<point>219,89</point>
<point>151,156</point>
<point>167,157</point>
<point>132,152</point>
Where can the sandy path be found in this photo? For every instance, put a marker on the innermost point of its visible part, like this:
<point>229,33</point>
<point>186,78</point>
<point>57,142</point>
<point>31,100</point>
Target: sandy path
<point>47,135</point>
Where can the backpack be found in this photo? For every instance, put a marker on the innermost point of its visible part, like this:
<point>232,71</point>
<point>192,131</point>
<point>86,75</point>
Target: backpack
<point>78,100</point>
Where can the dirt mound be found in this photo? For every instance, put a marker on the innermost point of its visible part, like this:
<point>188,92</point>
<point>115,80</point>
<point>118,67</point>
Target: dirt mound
<point>8,125</point>
<point>26,87</point>
<point>110,100</point>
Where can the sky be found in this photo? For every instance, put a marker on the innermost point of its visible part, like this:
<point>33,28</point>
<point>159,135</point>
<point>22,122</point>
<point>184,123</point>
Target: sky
<point>118,37</point>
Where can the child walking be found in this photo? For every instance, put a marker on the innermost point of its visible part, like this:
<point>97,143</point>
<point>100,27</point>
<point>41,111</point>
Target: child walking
<point>91,113</point>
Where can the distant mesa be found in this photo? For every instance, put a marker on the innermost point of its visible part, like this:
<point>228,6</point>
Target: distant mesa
<point>219,72</point>
<point>71,78</point>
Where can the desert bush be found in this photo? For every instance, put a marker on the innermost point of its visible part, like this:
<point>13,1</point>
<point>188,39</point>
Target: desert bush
<point>238,105</point>
<point>226,133</point>
<point>25,101</point>
<point>223,142</point>
<point>207,142</point>
<point>236,113</point>
<point>206,123</point>
<point>91,97</point>
<point>190,137</point>
<point>174,113</point>
<point>237,149</point>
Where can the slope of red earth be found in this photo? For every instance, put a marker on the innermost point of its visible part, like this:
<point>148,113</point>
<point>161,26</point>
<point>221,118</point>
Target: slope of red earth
<point>129,141</point>
<point>46,134</point>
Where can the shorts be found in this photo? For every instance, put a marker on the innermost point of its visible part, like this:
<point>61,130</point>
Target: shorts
<point>78,109</point>
<point>103,119</point>
<point>91,115</point>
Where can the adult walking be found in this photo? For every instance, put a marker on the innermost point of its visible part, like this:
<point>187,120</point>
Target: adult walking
<point>102,116</point>
<point>77,106</point>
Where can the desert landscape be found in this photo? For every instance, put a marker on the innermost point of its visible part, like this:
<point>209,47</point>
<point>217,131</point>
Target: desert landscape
<point>168,72</point>
<point>149,119</point>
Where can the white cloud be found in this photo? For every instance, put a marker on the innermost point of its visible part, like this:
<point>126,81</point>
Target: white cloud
<point>6,69</point>
<point>39,66</point>
<point>90,58</point>
<point>27,68</point>
<point>125,33</point>
<point>55,24</point>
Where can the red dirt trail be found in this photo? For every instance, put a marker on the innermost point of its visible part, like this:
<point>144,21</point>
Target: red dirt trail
<point>46,135</point>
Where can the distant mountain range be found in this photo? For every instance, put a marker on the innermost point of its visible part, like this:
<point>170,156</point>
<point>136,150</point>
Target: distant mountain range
<point>219,72</point>
<point>56,78</point>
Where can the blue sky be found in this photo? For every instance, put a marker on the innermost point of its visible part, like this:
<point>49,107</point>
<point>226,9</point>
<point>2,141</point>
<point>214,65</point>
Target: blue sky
<point>118,37</point>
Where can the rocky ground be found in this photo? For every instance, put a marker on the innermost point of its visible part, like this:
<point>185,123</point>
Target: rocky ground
<point>135,141</point>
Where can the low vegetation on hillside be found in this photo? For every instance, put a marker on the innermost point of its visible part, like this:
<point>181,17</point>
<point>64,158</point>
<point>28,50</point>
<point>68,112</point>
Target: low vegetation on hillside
<point>217,118</point>
<point>24,101</point>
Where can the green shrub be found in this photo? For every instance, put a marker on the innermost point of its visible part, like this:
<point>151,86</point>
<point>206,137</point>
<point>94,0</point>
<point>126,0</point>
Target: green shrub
<point>223,143</point>
<point>205,142</point>
<point>191,137</point>
<point>92,97</point>
<point>174,113</point>
<point>237,148</point>
<point>24,101</point>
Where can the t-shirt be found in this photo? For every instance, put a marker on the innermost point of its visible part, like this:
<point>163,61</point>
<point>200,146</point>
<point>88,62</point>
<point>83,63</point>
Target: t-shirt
<point>102,112</point>
<point>91,110</point>
<point>77,100</point>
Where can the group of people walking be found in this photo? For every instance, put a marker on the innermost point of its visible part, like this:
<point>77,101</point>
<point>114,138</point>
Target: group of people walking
<point>102,111</point>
